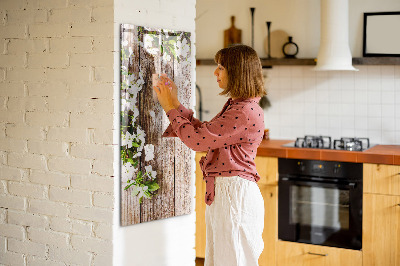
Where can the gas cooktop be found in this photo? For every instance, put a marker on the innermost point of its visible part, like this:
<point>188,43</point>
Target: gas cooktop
<point>325,142</point>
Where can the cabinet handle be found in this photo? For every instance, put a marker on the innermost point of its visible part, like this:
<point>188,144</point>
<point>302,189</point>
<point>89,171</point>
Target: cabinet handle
<point>319,254</point>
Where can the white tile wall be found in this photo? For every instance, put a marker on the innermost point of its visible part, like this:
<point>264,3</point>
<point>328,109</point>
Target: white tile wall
<point>338,104</point>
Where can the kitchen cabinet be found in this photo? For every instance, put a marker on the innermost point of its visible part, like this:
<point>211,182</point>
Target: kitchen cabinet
<point>267,168</point>
<point>381,230</point>
<point>381,179</point>
<point>270,233</point>
<point>381,221</point>
<point>299,254</point>
<point>381,215</point>
<point>200,209</point>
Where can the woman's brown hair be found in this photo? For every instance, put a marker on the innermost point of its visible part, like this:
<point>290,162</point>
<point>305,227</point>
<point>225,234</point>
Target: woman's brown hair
<point>245,78</point>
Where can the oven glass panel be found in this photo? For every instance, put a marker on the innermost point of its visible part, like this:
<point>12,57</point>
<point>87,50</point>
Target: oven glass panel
<point>318,207</point>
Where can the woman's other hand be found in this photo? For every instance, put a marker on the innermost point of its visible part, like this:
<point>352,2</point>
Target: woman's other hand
<point>164,95</point>
<point>174,90</point>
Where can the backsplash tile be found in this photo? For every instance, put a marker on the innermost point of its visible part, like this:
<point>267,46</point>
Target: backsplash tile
<point>364,103</point>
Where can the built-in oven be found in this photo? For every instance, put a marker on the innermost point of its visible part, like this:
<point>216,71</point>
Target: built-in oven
<point>320,202</point>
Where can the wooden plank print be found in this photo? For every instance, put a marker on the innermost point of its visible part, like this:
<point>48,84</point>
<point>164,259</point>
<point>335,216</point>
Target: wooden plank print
<point>155,171</point>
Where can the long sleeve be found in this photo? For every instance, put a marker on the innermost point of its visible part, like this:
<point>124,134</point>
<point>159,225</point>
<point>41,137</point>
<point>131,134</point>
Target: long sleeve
<point>225,130</point>
<point>187,113</point>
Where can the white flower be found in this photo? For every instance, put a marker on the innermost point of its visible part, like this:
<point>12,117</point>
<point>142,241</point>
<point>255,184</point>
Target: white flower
<point>131,78</point>
<point>135,84</point>
<point>140,80</point>
<point>139,191</point>
<point>135,114</point>
<point>149,152</point>
<point>127,139</point>
<point>148,44</point>
<point>141,135</point>
<point>127,171</point>
<point>182,48</point>
<point>124,43</point>
<point>166,57</point>
<point>127,104</point>
<point>136,189</point>
<point>149,171</point>
<point>137,155</point>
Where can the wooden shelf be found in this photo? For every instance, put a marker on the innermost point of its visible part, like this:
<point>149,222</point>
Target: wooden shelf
<point>376,61</point>
<point>312,61</point>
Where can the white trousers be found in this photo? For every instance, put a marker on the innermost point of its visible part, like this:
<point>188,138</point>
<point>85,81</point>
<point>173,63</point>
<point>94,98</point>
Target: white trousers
<point>234,223</point>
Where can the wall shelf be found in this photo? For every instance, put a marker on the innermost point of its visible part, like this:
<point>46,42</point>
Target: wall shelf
<point>312,61</point>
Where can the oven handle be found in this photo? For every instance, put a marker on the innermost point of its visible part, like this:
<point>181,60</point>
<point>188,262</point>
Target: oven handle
<point>297,181</point>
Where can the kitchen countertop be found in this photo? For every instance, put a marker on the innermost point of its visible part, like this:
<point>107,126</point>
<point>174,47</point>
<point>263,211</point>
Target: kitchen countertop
<point>380,154</point>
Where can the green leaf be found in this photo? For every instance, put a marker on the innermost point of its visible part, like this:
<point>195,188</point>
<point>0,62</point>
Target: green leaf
<point>134,144</point>
<point>153,187</point>
<point>128,186</point>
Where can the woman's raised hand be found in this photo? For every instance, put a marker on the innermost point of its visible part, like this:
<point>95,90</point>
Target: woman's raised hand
<point>164,95</point>
<point>174,90</point>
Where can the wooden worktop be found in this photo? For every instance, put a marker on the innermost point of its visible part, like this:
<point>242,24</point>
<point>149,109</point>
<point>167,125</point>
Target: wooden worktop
<point>380,154</point>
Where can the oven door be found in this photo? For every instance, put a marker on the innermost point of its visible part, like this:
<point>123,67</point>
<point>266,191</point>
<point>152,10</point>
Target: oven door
<point>315,211</point>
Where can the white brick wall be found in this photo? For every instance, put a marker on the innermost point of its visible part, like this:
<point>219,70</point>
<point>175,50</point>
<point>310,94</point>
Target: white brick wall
<point>56,128</point>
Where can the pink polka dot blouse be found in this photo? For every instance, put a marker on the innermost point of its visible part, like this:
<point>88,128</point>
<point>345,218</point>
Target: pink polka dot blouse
<point>231,139</point>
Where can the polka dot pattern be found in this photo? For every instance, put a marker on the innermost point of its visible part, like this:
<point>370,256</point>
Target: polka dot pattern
<point>231,139</point>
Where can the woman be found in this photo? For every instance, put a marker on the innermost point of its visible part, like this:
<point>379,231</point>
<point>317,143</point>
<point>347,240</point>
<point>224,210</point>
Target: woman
<point>235,207</point>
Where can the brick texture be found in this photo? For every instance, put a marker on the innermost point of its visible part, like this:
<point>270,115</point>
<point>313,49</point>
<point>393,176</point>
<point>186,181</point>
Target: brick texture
<point>56,120</point>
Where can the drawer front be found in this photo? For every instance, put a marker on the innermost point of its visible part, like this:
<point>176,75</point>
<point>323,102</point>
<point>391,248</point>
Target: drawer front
<point>290,253</point>
<point>381,179</point>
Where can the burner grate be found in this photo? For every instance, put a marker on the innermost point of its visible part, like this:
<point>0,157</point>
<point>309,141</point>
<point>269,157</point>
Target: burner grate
<point>324,142</point>
<point>351,144</point>
<point>321,142</point>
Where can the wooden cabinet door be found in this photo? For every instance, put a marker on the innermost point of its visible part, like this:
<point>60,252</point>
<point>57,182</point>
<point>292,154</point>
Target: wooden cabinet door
<point>381,230</point>
<point>267,168</point>
<point>381,179</point>
<point>298,254</point>
<point>270,233</point>
<point>200,209</point>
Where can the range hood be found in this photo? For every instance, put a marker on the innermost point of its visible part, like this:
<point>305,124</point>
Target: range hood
<point>334,51</point>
